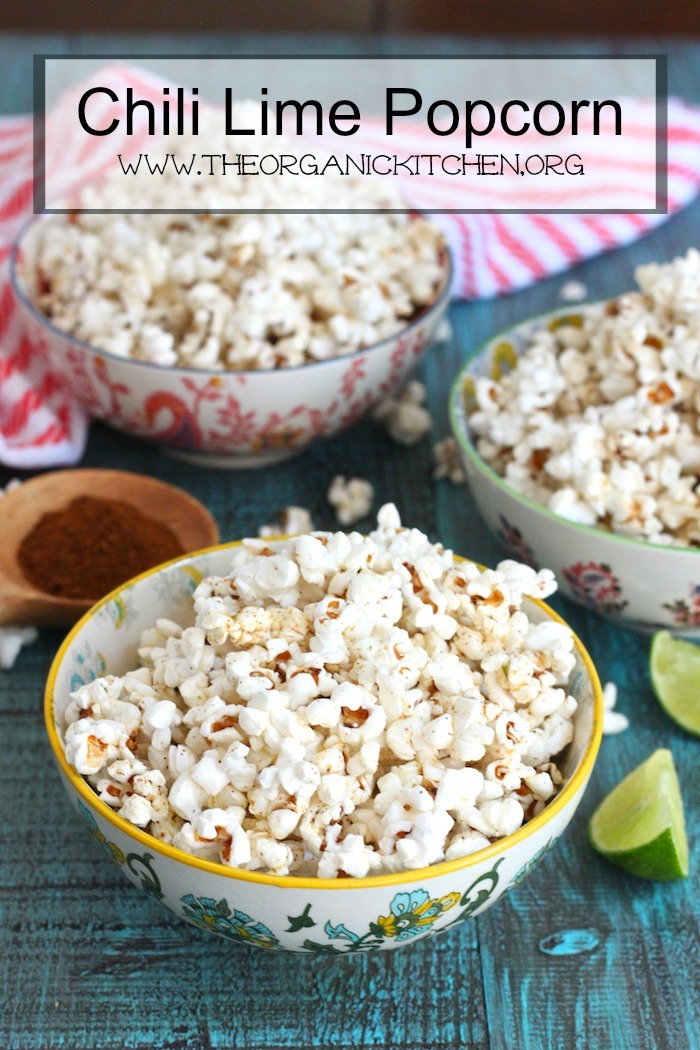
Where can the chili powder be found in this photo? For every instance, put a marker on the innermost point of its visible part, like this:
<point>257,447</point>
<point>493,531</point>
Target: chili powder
<point>91,546</point>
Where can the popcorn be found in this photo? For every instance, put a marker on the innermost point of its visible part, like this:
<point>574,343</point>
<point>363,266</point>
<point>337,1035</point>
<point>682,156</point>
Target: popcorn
<point>447,462</point>
<point>459,789</point>
<point>343,705</point>
<point>405,416</point>
<point>445,332</point>
<point>187,797</point>
<point>293,522</point>
<point>352,499</point>
<point>237,291</point>
<point>136,810</point>
<point>573,291</point>
<point>501,816</point>
<point>93,743</point>
<point>465,843</point>
<point>613,721</point>
<point>11,641</point>
<point>600,419</point>
<point>12,484</point>
<point>347,859</point>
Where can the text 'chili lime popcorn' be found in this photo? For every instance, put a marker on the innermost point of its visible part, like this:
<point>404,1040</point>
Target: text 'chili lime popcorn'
<point>344,705</point>
<point>247,291</point>
<point>600,419</point>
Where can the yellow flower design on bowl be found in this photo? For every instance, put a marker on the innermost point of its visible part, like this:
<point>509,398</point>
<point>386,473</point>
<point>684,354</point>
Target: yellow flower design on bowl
<point>413,913</point>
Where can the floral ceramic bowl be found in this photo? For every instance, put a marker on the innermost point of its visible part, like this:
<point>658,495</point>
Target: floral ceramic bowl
<point>222,418</point>
<point>294,914</point>
<point>642,585</point>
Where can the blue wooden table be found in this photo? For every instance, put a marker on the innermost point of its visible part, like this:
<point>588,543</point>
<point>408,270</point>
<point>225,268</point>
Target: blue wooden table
<point>87,962</point>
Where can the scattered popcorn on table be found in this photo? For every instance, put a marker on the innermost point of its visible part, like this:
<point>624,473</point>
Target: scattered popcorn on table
<point>445,332</point>
<point>405,416</point>
<point>351,499</point>
<point>13,638</point>
<point>11,641</point>
<point>573,292</point>
<point>343,705</point>
<point>13,483</point>
<point>600,418</point>
<point>613,721</point>
<point>241,292</point>
<point>293,521</point>
<point>447,462</point>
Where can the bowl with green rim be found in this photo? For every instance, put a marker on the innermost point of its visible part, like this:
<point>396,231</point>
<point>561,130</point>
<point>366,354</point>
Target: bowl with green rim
<point>644,586</point>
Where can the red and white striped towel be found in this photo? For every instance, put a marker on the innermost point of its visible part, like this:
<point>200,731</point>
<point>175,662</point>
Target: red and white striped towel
<point>41,425</point>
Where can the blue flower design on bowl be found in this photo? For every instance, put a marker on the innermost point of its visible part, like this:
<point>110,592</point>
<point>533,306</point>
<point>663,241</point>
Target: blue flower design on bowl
<point>218,917</point>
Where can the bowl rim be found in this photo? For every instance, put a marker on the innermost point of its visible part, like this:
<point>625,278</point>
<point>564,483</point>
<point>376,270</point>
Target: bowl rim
<point>460,429</point>
<point>495,849</point>
<point>22,295</point>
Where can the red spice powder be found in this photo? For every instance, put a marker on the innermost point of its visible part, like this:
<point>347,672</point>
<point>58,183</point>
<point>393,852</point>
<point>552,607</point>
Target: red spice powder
<point>91,546</point>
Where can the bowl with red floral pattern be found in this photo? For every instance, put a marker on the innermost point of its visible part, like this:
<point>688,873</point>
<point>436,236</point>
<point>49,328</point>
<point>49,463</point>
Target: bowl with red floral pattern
<point>642,585</point>
<point>223,417</point>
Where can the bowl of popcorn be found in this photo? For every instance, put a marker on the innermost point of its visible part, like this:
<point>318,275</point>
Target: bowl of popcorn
<point>234,340</point>
<point>580,436</point>
<point>328,743</point>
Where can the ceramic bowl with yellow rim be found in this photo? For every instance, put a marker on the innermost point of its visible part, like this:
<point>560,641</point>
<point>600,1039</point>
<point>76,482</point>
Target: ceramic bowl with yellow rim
<point>330,916</point>
<point>217,417</point>
<point>642,585</point>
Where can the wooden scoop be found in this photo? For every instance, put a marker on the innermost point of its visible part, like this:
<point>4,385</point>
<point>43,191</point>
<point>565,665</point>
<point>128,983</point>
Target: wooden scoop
<point>21,509</point>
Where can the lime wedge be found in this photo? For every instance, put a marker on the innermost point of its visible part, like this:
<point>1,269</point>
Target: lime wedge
<point>674,666</point>
<point>640,826</point>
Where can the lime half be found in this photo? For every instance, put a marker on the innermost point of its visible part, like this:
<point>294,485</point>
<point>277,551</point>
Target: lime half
<point>674,666</point>
<point>640,826</point>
